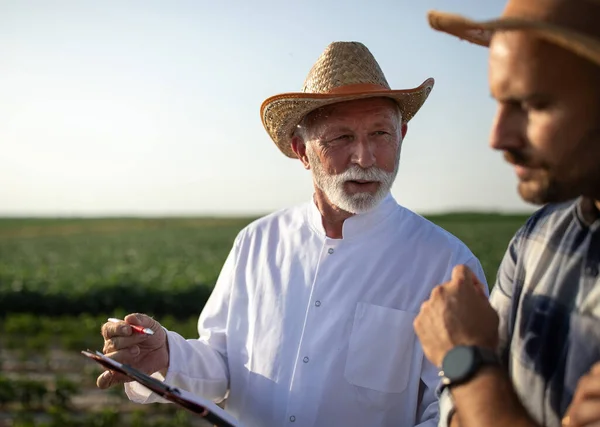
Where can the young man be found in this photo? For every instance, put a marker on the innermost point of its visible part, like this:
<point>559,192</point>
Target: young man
<point>531,357</point>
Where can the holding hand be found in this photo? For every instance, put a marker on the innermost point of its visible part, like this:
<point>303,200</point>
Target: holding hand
<point>584,410</point>
<point>457,313</point>
<point>147,353</point>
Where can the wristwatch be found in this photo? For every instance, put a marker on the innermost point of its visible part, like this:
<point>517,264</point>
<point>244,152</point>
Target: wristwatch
<point>461,363</point>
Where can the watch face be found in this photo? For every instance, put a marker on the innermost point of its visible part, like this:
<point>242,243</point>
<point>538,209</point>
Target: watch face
<point>458,363</point>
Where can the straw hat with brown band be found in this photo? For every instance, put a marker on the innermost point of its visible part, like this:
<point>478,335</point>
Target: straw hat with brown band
<point>345,71</point>
<point>571,24</point>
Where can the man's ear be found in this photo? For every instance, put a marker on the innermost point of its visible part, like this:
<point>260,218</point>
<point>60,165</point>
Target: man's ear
<point>404,129</point>
<point>299,148</point>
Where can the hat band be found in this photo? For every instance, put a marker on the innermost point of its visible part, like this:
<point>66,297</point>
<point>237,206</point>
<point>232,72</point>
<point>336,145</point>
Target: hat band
<point>356,88</point>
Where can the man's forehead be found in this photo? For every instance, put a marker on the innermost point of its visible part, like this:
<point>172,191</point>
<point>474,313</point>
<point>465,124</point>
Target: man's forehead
<point>521,63</point>
<point>372,107</point>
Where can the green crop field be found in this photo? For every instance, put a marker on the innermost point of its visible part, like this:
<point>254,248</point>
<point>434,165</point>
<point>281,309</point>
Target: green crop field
<point>61,278</point>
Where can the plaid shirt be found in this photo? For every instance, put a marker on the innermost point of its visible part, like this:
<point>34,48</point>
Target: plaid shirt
<point>547,294</point>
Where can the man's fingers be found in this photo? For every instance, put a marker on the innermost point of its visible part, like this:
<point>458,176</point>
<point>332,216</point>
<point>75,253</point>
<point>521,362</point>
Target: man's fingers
<point>462,274</point>
<point>127,356</point>
<point>436,293</point>
<point>110,330</point>
<point>109,378</point>
<point>142,320</point>
<point>120,343</point>
<point>588,387</point>
<point>586,413</point>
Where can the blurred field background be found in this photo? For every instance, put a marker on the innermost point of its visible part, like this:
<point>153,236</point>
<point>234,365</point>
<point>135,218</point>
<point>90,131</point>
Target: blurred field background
<point>61,278</point>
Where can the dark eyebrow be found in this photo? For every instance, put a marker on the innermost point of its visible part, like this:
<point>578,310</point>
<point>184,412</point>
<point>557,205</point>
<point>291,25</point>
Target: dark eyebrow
<point>533,97</point>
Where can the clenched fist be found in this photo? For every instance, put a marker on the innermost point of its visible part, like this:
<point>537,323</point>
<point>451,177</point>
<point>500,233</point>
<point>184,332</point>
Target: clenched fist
<point>457,313</point>
<point>147,353</point>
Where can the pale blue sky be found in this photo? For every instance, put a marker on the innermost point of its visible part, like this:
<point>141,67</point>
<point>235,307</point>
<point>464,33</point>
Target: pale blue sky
<point>152,107</point>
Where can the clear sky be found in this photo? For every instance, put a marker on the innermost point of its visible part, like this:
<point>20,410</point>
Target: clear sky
<point>152,107</point>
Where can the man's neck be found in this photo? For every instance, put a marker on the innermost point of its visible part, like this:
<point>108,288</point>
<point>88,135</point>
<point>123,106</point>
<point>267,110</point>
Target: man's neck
<point>332,217</point>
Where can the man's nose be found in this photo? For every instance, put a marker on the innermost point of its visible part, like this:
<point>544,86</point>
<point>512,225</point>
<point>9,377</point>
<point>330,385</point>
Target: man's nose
<point>364,153</point>
<point>507,130</point>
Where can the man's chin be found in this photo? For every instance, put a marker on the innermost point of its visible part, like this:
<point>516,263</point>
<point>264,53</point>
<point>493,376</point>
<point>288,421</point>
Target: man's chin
<point>538,194</point>
<point>360,202</point>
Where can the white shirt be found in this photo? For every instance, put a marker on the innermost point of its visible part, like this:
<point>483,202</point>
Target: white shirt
<point>309,331</point>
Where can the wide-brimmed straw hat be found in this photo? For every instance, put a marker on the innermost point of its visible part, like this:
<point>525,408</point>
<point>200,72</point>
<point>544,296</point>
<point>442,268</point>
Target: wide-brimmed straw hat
<point>571,24</point>
<point>345,71</point>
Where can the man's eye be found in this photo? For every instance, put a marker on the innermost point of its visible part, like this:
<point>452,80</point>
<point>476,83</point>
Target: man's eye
<point>537,106</point>
<point>381,132</point>
<point>342,138</point>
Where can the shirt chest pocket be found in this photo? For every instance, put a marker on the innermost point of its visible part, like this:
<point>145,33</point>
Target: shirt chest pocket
<point>381,349</point>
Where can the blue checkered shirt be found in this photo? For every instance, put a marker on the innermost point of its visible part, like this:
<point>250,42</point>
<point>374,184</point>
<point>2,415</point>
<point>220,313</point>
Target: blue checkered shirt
<point>547,294</point>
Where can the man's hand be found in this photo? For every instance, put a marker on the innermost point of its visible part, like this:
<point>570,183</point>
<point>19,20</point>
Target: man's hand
<point>584,410</point>
<point>457,313</point>
<point>147,353</point>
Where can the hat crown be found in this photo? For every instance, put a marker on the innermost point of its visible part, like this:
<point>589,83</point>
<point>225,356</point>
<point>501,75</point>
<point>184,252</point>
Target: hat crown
<point>578,15</point>
<point>344,64</point>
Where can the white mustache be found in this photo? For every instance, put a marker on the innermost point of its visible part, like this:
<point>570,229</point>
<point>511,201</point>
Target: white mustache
<point>356,173</point>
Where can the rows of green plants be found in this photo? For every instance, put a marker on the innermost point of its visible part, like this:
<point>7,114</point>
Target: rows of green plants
<point>165,267</point>
<point>35,403</point>
<point>43,370</point>
<point>33,395</point>
<point>60,269</point>
<point>29,332</point>
<point>126,296</point>
<point>58,417</point>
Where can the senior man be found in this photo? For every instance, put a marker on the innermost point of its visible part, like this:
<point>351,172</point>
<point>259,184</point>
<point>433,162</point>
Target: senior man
<point>310,321</point>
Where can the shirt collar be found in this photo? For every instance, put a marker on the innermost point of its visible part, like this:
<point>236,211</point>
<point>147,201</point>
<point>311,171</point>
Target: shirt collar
<point>357,224</point>
<point>586,211</point>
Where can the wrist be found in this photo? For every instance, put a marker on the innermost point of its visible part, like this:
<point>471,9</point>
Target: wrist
<point>489,399</point>
<point>485,374</point>
<point>462,363</point>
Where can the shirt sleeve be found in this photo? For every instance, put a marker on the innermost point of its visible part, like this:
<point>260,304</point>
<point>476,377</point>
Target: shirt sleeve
<point>199,365</point>
<point>503,294</point>
<point>428,408</point>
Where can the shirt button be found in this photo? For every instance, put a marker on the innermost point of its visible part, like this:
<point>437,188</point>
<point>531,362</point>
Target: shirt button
<point>318,303</point>
<point>292,418</point>
<point>591,270</point>
<point>305,360</point>
<point>330,251</point>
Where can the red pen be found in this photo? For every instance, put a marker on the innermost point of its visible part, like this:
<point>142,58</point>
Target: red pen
<point>137,328</point>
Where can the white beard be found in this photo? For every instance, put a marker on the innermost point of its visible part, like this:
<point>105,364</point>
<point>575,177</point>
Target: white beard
<point>333,185</point>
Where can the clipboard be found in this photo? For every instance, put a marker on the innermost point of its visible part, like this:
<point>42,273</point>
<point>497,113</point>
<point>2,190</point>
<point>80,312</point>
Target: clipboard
<point>205,408</point>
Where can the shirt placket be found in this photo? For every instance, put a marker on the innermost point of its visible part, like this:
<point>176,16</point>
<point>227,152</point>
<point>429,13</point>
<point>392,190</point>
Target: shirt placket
<point>302,404</point>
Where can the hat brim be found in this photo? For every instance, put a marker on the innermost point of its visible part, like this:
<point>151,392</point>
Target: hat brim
<point>481,32</point>
<point>280,114</point>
